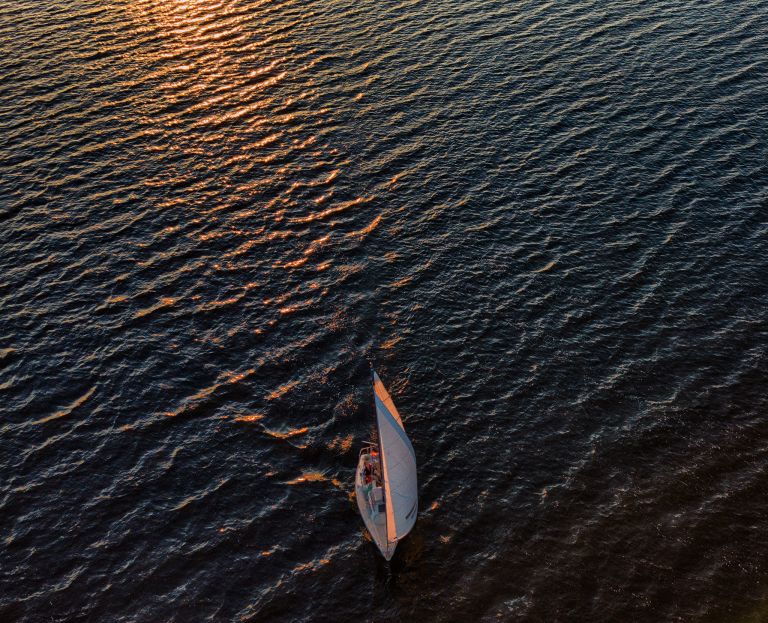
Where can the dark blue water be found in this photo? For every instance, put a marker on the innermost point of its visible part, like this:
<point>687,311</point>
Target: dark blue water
<point>545,223</point>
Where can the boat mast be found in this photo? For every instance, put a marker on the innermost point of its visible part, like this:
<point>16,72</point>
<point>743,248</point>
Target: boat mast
<point>376,420</point>
<point>373,405</point>
<point>379,448</point>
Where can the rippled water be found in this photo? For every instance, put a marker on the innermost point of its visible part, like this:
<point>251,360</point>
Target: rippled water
<point>547,225</point>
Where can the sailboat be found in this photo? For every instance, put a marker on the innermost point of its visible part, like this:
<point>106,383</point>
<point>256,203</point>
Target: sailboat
<point>385,481</point>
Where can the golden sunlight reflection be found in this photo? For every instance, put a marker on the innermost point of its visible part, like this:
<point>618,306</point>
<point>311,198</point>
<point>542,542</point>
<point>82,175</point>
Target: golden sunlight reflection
<point>312,565</point>
<point>222,70</point>
<point>313,476</point>
<point>247,165</point>
<point>254,417</point>
<point>200,397</point>
<point>294,432</point>
<point>308,477</point>
<point>341,444</point>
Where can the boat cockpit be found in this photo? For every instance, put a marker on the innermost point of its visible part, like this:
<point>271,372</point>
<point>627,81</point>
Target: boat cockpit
<point>369,467</point>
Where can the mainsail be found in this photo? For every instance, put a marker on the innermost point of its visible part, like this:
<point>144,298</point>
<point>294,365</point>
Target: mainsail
<point>398,465</point>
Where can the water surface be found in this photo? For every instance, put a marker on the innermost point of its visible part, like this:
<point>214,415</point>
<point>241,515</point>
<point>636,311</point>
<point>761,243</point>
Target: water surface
<point>547,225</point>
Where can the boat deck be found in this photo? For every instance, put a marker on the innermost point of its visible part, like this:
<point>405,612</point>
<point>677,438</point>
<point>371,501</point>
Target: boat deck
<point>370,502</point>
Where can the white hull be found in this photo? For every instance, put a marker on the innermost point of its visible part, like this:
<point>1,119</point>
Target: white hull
<point>367,504</point>
<point>385,480</point>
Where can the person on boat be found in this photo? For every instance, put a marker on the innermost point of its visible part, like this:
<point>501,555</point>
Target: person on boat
<point>367,473</point>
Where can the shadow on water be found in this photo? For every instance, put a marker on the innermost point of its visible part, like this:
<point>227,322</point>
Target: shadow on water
<point>392,580</point>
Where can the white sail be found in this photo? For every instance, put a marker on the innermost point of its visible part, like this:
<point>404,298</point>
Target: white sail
<point>398,464</point>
